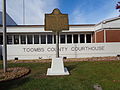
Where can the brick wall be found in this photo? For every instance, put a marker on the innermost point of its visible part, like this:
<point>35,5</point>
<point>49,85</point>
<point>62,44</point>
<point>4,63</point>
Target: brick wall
<point>100,36</point>
<point>113,35</point>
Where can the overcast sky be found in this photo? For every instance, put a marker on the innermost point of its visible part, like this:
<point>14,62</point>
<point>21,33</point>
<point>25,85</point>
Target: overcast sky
<point>80,11</point>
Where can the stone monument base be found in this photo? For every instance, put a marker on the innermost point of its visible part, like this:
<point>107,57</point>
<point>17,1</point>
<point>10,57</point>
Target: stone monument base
<point>57,67</point>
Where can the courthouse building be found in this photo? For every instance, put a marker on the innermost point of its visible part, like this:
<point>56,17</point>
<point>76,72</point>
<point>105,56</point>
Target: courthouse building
<point>84,40</point>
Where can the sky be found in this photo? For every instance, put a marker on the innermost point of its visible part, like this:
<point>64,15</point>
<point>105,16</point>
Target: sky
<point>79,11</point>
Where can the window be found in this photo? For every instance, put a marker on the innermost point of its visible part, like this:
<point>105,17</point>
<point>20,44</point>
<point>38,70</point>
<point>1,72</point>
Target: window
<point>82,38</point>
<point>88,38</point>
<point>36,39</point>
<point>43,39</point>
<point>75,38</point>
<point>69,38</point>
<point>29,39</point>
<point>49,39</point>
<point>54,39</point>
<point>23,39</point>
<point>9,39</point>
<point>16,39</point>
<point>62,38</point>
<point>1,40</point>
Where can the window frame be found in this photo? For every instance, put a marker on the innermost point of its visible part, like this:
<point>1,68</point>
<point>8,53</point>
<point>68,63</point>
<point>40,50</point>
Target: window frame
<point>35,40</point>
<point>74,38</point>
<point>44,38</point>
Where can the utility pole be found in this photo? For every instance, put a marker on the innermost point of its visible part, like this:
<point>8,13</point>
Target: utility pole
<point>4,36</point>
<point>23,12</point>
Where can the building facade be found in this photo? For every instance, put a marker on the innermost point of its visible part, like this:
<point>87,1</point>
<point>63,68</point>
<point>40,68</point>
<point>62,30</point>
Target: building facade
<point>85,40</point>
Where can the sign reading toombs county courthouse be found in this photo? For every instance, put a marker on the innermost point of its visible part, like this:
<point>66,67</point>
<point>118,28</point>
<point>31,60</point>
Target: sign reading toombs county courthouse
<point>68,50</point>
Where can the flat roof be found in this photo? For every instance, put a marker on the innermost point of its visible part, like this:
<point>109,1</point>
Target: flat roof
<point>44,25</point>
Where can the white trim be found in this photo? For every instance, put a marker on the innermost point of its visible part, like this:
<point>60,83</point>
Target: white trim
<point>91,38</point>
<point>72,38</point>
<point>107,29</point>
<point>46,38</point>
<point>85,38</point>
<point>108,20</point>
<point>104,36</point>
<point>79,38</point>
<point>65,38</point>
<point>19,39</point>
<point>33,39</point>
<point>39,38</point>
<point>95,37</point>
<point>26,38</point>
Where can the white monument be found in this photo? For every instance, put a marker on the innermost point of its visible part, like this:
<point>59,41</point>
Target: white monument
<point>57,67</point>
<point>56,21</point>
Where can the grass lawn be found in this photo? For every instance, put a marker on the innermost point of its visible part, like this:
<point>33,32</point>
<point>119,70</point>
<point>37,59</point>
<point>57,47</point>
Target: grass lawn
<point>83,76</point>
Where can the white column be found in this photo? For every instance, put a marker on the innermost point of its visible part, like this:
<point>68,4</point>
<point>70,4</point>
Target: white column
<point>91,38</point>
<point>85,38</point>
<point>65,38</point>
<point>12,39</point>
<point>19,39</point>
<point>78,38</point>
<point>52,38</point>
<point>95,36</point>
<point>26,39</point>
<point>39,39</point>
<point>33,39</point>
<point>72,38</point>
<point>46,38</point>
<point>104,36</point>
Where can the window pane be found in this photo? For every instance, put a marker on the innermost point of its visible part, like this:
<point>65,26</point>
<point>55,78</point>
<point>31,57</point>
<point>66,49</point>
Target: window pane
<point>43,39</point>
<point>23,39</point>
<point>49,39</point>
<point>82,38</point>
<point>88,38</point>
<point>62,38</point>
<point>54,39</point>
<point>36,39</point>
<point>1,40</point>
<point>29,39</point>
<point>75,38</point>
<point>9,39</point>
<point>16,39</point>
<point>69,38</point>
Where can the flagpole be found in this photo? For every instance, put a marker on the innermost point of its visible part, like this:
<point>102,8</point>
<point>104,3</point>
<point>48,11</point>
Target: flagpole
<point>23,12</point>
<point>4,36</point>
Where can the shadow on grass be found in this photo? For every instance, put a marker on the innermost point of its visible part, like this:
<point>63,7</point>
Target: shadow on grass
<point>8,85</point>
<point>71,67</point>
